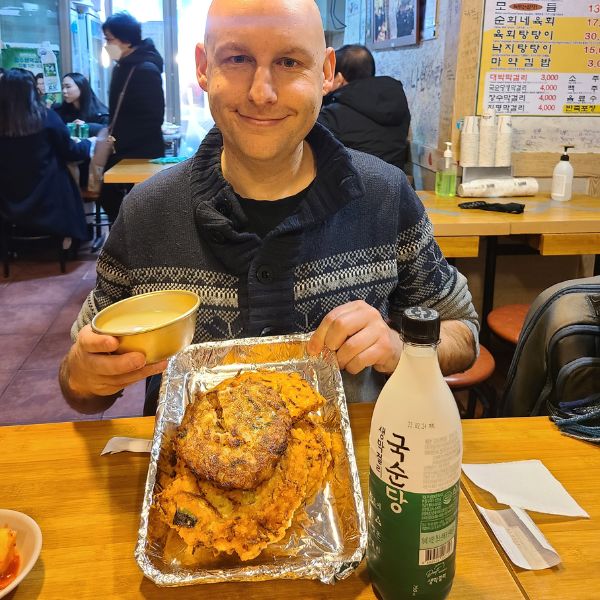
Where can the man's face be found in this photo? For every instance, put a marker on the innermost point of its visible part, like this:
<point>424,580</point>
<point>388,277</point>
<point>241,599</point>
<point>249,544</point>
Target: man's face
<point>265,68</point>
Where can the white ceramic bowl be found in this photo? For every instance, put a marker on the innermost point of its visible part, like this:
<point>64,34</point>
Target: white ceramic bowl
<point>29,543</point>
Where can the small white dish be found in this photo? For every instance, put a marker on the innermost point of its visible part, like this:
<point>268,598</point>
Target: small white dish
<point>29,543</point>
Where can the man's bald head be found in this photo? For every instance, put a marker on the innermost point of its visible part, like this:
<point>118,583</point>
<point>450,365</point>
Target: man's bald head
<point>265,68</point>
<point>278,14</point>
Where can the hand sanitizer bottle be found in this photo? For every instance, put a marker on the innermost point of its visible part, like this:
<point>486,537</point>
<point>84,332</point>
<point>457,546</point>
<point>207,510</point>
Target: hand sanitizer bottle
<point>445,177</point>
<point>562,178</point>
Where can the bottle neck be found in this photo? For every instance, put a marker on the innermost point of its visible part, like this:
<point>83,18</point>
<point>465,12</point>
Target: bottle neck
<point>418,360</point>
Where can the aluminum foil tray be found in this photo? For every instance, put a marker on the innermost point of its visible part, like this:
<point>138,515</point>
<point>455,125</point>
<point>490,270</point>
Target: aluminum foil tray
<point>328,540</point>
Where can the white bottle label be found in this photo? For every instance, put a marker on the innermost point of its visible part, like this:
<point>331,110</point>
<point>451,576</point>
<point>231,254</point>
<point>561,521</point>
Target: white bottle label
<point>559,185</point>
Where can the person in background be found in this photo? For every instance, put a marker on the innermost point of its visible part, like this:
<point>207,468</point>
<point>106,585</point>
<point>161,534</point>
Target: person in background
<point>47,99</point>
<point>36,189</point>
<point>138,127</point>
<point>40,84</point>
<point>276,225</point>
<point>80,104</point>
<point>366,112</point>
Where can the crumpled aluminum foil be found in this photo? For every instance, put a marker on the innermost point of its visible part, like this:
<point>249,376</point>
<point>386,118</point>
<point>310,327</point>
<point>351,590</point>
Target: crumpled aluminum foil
<point>329,541</point>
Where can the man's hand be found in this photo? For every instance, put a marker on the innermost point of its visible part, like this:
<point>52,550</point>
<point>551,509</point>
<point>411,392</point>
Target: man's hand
<point>360,338</point>
<point>89,371</point>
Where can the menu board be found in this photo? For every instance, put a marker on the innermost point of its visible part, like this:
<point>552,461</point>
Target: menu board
<point>540,58</point>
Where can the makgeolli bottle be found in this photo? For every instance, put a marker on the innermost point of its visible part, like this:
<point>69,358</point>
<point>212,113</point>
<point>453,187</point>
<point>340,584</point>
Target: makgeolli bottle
<point>415,453</point>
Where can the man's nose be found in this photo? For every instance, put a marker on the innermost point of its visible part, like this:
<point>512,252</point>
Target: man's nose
<point>262,89</point>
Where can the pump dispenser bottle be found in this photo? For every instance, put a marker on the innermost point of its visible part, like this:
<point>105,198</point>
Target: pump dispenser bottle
<point>562,178</point>
<point>445,177</point>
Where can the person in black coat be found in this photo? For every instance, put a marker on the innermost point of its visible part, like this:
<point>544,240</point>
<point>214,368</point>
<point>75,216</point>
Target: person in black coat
<point>137,129</point>
<point>365,112</point>
<point>80,104</point>
<point>36,189</point>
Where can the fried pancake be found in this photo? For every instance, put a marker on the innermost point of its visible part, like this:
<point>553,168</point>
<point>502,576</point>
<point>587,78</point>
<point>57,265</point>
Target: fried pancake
<point>234,435</point>
<point>246,521</point>
<point>296,392</point>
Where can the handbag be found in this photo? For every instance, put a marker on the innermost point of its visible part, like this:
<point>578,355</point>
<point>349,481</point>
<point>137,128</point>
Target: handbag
<point>105,146</point>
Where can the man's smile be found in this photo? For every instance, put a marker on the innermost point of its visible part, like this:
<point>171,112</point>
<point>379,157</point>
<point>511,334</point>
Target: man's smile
<point>261,121</point>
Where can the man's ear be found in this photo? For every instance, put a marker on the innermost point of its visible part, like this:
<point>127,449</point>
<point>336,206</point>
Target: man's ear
<point>201,66</point>
<point>328,70</point>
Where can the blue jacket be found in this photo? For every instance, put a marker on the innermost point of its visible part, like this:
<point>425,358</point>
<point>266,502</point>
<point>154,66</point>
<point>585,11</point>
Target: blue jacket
<point>36,188</point>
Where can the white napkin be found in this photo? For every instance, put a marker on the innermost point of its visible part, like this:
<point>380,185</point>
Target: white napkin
<point>525,484</point>
<point>126,444</point>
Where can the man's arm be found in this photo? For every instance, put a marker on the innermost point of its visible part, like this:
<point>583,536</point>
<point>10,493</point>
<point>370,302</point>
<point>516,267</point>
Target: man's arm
<point>361,338</point>
<point>458,349</point>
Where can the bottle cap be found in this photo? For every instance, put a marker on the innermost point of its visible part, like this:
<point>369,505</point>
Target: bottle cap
<point>420,326</point>
<point>448,150</point>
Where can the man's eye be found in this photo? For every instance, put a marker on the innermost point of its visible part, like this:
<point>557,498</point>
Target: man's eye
<point>238,60</point>
<point>288,62</point>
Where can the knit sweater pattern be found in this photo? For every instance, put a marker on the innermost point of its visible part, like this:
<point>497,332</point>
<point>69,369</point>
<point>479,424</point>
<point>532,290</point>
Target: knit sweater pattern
<point>360,234</point>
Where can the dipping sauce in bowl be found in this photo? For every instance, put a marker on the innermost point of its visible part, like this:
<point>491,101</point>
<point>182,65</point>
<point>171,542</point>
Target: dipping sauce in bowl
<point>158,324</point>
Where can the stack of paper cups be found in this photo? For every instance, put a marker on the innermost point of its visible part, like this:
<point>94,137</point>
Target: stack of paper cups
<point>503,142</point>
<point>487,138</point>
<point>469,142</point>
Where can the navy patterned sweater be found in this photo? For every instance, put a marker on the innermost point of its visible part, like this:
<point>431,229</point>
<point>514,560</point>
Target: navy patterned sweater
<point>360,233</point>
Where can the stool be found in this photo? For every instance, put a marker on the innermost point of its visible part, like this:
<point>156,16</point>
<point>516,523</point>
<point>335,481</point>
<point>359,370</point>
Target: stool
<point>474,380</point>
<point>99,220</point>
<point>9,233</point>
<point>507,321</point>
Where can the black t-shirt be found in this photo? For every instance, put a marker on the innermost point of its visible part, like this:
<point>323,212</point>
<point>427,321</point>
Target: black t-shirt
<point>264,215</point>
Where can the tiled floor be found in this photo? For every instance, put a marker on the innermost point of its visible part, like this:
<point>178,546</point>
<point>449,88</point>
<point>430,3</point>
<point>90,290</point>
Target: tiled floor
<point>38,305</point>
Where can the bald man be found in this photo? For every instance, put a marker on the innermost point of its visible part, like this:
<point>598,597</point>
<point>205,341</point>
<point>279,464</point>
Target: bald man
<point>276,225</point>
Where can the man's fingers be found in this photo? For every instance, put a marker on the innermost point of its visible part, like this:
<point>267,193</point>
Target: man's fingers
<point>331,331</point>
<point>356,344</point>
<point>345,326</point>
<point>121,381</point>
<point>364,359</point>
<point>110,365</point>
<point>317,340</point>
<point>89,341</point>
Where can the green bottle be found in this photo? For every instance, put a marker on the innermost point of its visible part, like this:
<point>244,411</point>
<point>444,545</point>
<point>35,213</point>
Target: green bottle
<point>415,453</point>
<point>445,177</point>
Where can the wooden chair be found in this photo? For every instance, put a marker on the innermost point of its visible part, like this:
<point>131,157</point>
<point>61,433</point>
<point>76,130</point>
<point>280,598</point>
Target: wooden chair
<point>507,321</point>
<point>10,233</point>
<point>475,382</point>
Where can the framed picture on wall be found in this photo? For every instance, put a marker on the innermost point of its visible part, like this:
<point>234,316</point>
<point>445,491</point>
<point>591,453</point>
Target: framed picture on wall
<point>394,23</point>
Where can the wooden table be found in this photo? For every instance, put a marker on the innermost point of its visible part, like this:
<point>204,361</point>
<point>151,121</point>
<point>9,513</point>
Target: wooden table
<point>88,507</point>
<point>133,170</point>
<point>576,465</point>
<point>546,227</point>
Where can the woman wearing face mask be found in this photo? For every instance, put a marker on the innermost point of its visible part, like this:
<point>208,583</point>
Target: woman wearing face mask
<point>137,129</point>
<point>80,104</point>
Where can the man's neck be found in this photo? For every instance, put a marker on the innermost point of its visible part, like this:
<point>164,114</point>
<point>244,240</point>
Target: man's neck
<point>273,180</point>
